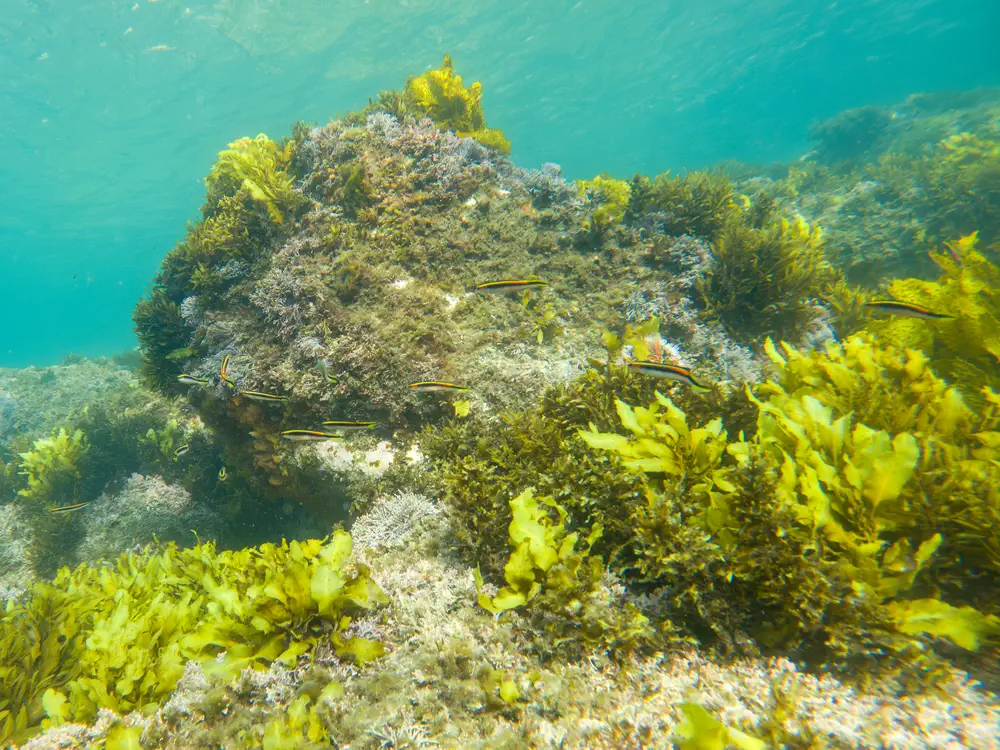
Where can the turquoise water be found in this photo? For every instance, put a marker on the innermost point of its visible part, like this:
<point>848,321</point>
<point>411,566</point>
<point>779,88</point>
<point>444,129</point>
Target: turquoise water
<point>112,112</point>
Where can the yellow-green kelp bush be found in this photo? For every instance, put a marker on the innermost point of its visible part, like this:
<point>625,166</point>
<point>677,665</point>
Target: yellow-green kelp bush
<point>553,569</point>
<point>118,637</point>
<point>260,167</point>
<point>857,525</point>
<point>697,203</point>
<point>440,95</point>
<point>966,349</point>
<point>768,276</point>
<point>610,198</point>
<point>860,517</point>
<point>52,479</point>
<point>478,465</point>
<point>933,459</point>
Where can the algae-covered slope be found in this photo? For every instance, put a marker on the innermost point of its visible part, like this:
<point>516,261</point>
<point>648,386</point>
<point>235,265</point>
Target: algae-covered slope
<point>33,401</point>
<point>889,183</point>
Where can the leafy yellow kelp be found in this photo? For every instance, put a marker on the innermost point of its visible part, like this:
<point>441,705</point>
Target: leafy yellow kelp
<point>259,166</point>
<point>538,545</point>
<point>118,637</point>
<point>610,196</point>
<point>440,95</point>
<point>554,575</point>
<point>896,453</point>
<point>53,477</point>
<point>50,468</point>
<point>965,350</point>
<point>663,444</point>
<point>702,731</point>
<point>866,503</point>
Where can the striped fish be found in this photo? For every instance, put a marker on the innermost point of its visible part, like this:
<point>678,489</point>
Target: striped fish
<point>182,450</point>
<point>259,396</point>
<point>905,310</point>
<point>432,386</point>
<point>305,436</point>
<point>511,285</point>
<point>69,508</point>
<point>344,424</point>
<point>191,379</point>
<point>676,373</point>
<point>224,373</point>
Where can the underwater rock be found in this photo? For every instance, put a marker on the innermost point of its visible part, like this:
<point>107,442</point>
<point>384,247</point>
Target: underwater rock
<point>33,401</point>
<point>850,134</point>
<point>375,276</point>
<point>15,571</point>
<point>931,175</point>
<point>145,508</point>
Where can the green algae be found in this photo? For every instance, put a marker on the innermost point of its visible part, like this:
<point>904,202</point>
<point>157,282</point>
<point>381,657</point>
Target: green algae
<point>440,95</point>
<point>967,348</point>
<point>258,166</point>
<point>118,637</point>
<point>697,203</point>
<point>52,473</point>
<point>611,198</point>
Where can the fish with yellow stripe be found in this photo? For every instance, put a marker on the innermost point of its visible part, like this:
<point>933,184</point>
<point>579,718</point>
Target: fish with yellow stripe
<point>511,285</point>
<point>674,373</point>
<point>436,386</point>
<point>69,508</point>
<point>307,436</point>
<point>261,396</point>
<point>348,425</point>
<point>905,310</point>
<point>224,373</point>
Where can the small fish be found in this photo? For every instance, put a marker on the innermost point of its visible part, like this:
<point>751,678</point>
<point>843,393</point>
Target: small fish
<point>182,450</point>
<point>258,396</point>
<point>510,285</point>
<point>668,372</point>
<point>224,374</point>
<point>324,365</point>
<point>345,424</point>
<point>308,435</point>
<point>69,508</point>
<point>953,252</point>
<point>431,386</point>
<point>905,310</point>
<point>191,379</point>
<point>223,474</point>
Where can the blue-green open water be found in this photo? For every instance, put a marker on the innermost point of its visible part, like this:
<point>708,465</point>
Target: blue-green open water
<point>111,112</point>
